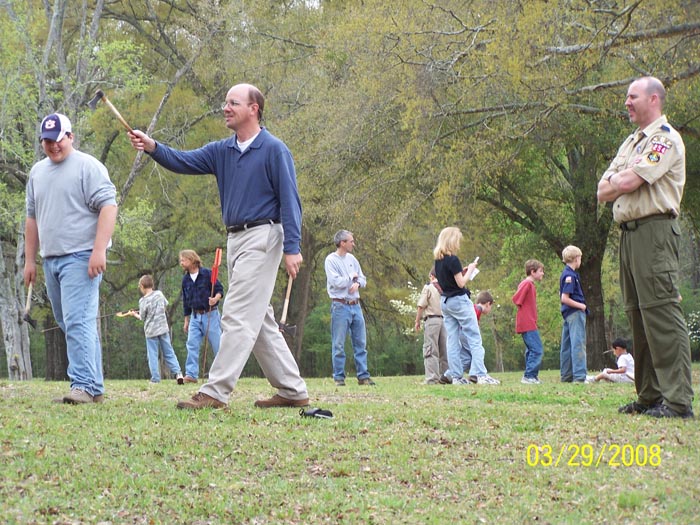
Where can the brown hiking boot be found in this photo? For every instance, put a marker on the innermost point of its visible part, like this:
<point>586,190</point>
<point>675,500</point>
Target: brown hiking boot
<point>78,396</point>
<point>279,401</point>
<point>99,398</point>
<point>201,400</point>
<point>188,379</point>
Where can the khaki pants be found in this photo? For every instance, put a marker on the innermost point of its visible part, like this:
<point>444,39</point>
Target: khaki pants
<point>434,349</point>
<point>248,323</point>
<point>648,277</point>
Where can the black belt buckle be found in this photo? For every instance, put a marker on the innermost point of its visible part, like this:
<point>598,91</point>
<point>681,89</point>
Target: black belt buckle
<point>241,227</point>
<point>628,226</point>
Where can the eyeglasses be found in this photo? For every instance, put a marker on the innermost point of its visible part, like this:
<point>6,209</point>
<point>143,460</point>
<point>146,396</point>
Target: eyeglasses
<point>234,104</point>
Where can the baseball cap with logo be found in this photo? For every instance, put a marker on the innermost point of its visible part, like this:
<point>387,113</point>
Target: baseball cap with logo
<point>54,127</point>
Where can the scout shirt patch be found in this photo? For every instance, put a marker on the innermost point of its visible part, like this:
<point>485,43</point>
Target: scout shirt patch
<point>660,144</point>
<point>653,157</point>
<point>567,279</point>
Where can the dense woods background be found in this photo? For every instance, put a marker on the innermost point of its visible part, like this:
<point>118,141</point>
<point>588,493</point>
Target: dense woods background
<point>403,117</point>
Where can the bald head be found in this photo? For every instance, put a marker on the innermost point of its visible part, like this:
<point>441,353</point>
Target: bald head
<point>254,95</point>
<point>653,86</point>
<point>645,100</point>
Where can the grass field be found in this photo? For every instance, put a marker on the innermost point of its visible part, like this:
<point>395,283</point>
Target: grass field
<point>399,452</point>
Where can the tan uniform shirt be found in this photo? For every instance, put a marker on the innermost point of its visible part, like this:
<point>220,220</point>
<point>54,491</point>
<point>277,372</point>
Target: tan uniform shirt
<point>657,155</point>
<point>430,300</point>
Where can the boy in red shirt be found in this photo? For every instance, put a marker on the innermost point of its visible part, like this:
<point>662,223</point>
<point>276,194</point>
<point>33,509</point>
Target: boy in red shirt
<point>526,320</point>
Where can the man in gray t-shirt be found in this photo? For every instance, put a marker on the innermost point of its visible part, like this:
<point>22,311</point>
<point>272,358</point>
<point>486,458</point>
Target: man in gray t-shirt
<point>71,212</point>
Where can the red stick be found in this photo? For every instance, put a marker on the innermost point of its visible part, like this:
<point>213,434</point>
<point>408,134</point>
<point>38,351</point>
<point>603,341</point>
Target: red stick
<point>214,277</point>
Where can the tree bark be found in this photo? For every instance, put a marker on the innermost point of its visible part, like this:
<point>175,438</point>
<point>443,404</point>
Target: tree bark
<point>302,299</point>
<point>56,352</point>
<point>14,331</point>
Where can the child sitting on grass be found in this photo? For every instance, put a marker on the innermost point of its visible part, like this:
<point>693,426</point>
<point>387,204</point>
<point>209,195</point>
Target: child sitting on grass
<point>624,373</point>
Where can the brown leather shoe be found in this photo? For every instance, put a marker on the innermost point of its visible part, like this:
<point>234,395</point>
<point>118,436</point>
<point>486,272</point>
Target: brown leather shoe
<point>279,401</point>
<point>188,379</point>
<point>201,400</point>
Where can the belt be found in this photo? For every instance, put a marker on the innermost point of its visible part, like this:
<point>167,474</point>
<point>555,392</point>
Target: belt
<point>633,225</point>
<point>200,312</point>
<point>432,316</point>
<point>349,302</point>
<point>252,224</point>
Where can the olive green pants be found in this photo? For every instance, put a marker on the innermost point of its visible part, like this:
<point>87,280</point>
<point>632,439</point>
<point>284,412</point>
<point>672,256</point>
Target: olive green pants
<point>648,276</point>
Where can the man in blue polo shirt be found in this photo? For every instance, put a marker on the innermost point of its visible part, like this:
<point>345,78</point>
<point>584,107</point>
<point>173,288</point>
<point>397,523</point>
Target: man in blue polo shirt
<point>261,208</point>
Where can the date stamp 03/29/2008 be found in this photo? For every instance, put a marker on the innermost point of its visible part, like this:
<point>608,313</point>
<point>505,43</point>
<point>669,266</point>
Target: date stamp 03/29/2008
<point>586,455</point>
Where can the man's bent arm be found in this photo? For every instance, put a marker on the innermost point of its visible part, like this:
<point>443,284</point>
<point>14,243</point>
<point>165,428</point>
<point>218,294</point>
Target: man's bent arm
<point>105,228</point>
<point>611,186</point>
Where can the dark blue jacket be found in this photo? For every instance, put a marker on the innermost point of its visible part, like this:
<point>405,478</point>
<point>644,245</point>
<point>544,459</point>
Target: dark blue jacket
<point>196,294</point>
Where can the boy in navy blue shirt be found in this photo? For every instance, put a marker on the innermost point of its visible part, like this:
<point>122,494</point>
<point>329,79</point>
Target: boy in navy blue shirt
<point>572,356</point>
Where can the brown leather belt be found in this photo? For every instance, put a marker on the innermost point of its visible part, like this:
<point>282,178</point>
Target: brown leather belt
<point>432,316</point>
<point>345,301</point>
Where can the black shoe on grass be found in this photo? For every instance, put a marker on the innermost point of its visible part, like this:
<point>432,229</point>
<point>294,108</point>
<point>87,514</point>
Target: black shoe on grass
<point>665,411</point>
<point>634,408</point>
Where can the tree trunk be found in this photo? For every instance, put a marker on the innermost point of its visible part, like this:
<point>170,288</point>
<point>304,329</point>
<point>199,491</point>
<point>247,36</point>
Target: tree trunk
<point>596,341</point>
<point>301,302</point>
<point>14,331</point>
<point>56,352</point>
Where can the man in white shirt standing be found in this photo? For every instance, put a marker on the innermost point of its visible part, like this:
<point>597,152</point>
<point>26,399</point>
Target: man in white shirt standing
<point>344,278</point>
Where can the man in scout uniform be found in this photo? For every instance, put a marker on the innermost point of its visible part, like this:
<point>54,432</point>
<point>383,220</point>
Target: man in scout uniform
<point>645,183</point>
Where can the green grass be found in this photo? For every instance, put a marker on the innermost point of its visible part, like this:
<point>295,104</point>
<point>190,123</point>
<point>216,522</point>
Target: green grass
<point>399,452</point>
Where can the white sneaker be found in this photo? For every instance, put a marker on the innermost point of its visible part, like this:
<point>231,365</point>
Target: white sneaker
<point>530,381</point>
<point>460,381</point>
<point>590,379</point>
<point>487,380</point>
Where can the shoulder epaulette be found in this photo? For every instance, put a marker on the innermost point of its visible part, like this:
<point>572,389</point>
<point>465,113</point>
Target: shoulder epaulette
<point>664,127</point>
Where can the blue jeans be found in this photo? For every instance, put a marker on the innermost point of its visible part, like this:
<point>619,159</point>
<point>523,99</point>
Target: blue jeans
<point>572,356</point>
<point>348,318</point>
<point>152,344</point>
<point>201,325</point>
<point>74,300</point>
<point>462,327</point>
<point>465,354</point>
<point>533,353</point>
